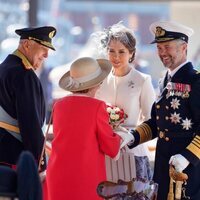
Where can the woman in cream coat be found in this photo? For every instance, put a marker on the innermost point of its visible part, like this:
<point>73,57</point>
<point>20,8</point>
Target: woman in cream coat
<point>128,89</point>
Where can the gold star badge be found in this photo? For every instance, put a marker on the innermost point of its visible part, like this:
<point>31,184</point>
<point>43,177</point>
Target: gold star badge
<point>175,118</point>
<point>187,124</point>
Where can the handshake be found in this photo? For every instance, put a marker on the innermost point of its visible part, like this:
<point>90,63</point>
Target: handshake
<point>126,138</point>
<point>125,135</point>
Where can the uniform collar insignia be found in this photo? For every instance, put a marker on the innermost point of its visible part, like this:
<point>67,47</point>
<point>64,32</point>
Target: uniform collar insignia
<point>25,61</point>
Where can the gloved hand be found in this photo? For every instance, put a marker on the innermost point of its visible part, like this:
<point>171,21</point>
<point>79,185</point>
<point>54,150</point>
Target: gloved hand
<point>126,137</point>
<point>179,162</point>
<point>117,156</point>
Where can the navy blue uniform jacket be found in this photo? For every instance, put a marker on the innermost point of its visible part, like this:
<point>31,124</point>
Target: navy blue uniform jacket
<point>175,120</point>
<point>21,96</point>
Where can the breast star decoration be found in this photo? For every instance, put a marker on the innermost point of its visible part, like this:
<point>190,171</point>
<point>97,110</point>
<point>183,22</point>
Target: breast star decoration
<point>175,103</point>
<point>175,118</point>
<point>187,124</point>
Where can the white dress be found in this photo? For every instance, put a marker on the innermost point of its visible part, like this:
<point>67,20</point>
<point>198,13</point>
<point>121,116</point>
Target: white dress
<point>134,93</point>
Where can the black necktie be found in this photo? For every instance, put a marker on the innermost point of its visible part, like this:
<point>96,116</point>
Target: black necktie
<point>167,79</point>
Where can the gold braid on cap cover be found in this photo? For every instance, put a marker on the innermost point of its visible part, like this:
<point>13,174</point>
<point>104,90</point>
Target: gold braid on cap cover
<point>48,44</point>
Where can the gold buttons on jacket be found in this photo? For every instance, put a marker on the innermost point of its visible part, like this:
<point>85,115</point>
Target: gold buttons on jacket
<point>157,106</point>
<point>167,107</point>
<point>166,139</point>
<point>162,135</point>
<point>157,117</point>
<point>166,117</point>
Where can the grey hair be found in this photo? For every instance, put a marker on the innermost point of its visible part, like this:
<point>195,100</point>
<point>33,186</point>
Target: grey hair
<point>179,41</point>
<point>119,33</point>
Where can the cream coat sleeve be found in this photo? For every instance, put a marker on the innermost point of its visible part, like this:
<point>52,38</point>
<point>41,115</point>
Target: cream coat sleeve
<point>147,98</point>
<point>146,101</point>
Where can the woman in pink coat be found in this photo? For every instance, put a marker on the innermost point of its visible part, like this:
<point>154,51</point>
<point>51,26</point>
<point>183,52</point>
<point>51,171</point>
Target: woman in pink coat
<point>82,135</point>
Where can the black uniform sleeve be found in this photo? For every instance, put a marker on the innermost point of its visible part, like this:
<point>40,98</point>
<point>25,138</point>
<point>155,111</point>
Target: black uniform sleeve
<point>145,131</point>
<point>192,152</point>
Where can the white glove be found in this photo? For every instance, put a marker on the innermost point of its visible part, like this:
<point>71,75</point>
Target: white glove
<point>126,137</point>
<point>117,156</point>
<point>179,162</point>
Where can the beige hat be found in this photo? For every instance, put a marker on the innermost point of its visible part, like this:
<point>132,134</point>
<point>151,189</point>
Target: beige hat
<point>169,30</point>
<point>85,73</point>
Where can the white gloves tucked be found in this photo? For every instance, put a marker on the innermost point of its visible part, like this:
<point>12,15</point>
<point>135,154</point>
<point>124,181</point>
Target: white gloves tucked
<point>179,162</point>
<point>125,135</point>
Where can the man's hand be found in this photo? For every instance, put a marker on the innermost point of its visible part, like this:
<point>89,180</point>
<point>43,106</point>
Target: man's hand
<point>179,162</point>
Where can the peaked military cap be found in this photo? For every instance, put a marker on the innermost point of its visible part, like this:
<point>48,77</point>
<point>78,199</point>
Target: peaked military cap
<point>169,30</point>
<point>42,35</point>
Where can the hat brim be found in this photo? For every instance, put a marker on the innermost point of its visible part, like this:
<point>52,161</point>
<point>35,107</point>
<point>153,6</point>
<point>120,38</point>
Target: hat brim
<point>49,45</point>
<point>105,70</point>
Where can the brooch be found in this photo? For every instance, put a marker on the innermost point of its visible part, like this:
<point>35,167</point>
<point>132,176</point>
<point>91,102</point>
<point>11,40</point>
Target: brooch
<point>131,84</point>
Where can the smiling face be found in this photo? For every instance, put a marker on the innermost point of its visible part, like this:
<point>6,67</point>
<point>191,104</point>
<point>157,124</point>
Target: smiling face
<point>172,53</point>
<point>118,54</point>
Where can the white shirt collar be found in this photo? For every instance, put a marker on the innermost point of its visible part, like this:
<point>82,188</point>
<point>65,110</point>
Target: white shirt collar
<point>171,73</point>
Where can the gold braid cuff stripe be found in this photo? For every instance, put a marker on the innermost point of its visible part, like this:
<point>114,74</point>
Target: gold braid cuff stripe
<point>194,146</point>
<point>145,132</point>
<point>196,140</point>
